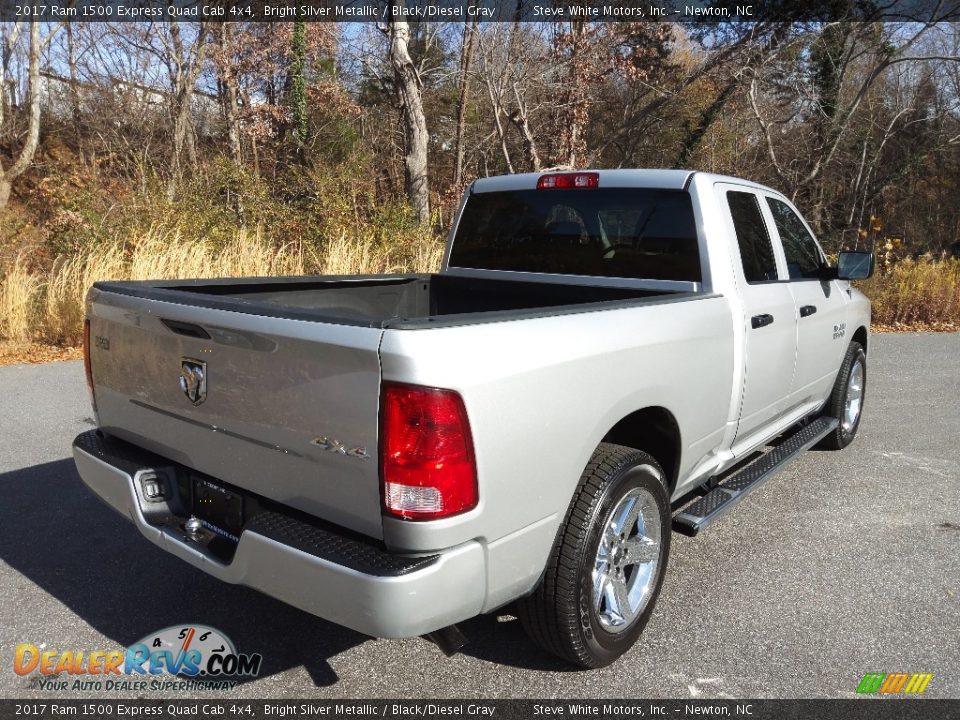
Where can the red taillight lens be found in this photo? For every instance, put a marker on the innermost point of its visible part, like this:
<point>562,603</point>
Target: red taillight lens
<point>87,369</point>
<point>566,181</point>
<point>426,454</point>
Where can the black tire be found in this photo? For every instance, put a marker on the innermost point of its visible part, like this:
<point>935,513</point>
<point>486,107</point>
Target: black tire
<point>560,615</point>
<point>836,405</point>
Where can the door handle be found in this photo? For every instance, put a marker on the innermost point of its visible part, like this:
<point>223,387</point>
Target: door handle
<point>807,310</point>
<point>759,321</point>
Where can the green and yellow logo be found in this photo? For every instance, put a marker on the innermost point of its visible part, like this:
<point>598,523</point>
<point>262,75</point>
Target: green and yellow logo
<point>894,683</point>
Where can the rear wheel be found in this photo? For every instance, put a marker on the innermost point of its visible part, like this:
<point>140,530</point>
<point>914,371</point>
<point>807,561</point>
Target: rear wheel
<point>607,566</point>
<point>846,399</point>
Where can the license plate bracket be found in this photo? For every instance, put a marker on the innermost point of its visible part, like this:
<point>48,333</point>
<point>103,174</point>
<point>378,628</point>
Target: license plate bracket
<point>219,507</point>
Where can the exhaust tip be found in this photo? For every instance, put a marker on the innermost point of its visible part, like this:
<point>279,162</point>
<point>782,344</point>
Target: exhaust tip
<point>449,639</point>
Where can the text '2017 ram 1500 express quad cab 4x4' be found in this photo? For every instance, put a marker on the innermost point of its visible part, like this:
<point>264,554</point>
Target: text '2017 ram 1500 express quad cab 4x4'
<point>401,453</point>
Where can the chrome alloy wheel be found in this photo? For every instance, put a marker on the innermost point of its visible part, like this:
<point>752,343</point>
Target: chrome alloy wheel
<point>625,569</point>
<point>854,397</point>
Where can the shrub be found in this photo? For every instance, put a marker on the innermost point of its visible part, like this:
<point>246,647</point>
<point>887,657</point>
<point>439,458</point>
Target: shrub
<point>922,294</point>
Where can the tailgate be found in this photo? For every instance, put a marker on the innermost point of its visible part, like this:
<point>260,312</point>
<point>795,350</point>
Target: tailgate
<point>289,409</point>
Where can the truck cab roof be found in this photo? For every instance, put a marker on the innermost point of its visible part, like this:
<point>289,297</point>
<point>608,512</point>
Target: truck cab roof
<point>660,178</point>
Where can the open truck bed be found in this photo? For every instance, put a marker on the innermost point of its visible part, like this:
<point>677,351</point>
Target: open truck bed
<point>382,301</point>
<point>295,364</point>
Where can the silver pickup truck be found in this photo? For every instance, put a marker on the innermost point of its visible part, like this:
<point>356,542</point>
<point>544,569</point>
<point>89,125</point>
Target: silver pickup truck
<point>605,355</point>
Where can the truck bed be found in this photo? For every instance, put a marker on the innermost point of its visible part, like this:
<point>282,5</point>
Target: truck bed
<point>293,367</point>
<point>381,301</point>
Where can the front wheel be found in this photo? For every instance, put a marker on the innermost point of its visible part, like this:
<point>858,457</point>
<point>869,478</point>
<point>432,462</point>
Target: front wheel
<point>846,399</point>
<point>607,566</point>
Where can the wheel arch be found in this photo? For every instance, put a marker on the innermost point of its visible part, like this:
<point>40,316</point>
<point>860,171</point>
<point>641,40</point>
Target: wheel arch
<point>653,430</point>
<point>860,336</point>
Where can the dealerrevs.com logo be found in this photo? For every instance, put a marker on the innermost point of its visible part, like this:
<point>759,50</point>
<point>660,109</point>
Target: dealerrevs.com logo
<point>894,683</point>
<point>181,657</point>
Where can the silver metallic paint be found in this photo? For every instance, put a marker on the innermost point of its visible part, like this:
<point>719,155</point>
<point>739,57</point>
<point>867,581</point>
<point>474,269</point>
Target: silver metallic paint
<point>541,393</point>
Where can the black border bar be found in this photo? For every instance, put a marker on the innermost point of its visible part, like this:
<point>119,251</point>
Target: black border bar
<point>684,11</point>
<point>230,708</point>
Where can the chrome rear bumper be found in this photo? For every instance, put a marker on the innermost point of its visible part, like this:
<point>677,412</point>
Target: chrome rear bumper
<point>339,577</point>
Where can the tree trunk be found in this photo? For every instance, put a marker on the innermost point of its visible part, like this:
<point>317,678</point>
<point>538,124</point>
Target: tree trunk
<point>497,102</point>
<point>185,80</point>
<point>229,92</point>
<point>74,79</point>
<point>298,85</point>
<point>5,187</point>
<point>10,36</point>
<point>414,122</point>
<point>577,112</point>
<point>519,119</point>
<point>466,55</point>
<point>33,128</point>
<point>181,126</point>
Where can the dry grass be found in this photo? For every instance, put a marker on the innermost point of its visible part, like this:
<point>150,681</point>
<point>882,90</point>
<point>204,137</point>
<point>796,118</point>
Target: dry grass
<point>19,302</point>
<point>916,295</point>
<point>46,307</point>
<point>43,310</point>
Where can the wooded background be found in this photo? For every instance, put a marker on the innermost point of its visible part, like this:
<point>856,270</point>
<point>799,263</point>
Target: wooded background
<point>358,139</point>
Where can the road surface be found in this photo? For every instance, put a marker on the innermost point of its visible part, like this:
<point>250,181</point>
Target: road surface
<point>845,563</point>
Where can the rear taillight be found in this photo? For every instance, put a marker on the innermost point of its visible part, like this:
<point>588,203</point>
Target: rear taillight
<point>567,181</point>
<point>87,369</point>
<point>426,454</point>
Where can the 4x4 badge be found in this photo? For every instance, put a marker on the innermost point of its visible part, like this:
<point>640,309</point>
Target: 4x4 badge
<point>335,446</point>
<point>193,379</point>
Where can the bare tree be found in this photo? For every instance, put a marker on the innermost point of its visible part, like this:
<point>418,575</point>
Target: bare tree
<point>409,98</point>
<point>512,72</point>
<point>11,34</point>
<point>185,66</point>
<point>578,48</point>
<point>520,119</point>
<point>495,84</point>
<point>74,78</point>
<point>819,111</point>
<point>229,90</point>
<point>463,85</point>
<point>29,147</point>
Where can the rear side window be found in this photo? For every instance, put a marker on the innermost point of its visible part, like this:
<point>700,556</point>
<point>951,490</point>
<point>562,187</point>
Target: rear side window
<point>803,255</point>
<point>604,232</point>
<point>756,248</point>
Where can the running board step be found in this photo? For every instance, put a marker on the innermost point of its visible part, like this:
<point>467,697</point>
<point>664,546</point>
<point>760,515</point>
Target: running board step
<point>703,511</point>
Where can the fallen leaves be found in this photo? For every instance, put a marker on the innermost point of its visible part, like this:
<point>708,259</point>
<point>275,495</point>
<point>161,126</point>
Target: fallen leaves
<point>13,353</point>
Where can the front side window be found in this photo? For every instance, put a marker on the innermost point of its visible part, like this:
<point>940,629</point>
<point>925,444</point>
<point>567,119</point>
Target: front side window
<point>756,248</point>
<point>804,259</point>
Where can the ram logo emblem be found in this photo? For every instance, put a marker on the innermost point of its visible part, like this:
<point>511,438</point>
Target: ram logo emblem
<point>193,379</point>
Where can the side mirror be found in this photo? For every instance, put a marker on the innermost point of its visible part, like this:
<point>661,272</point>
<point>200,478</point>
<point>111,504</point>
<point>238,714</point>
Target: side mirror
<point>854,265</point>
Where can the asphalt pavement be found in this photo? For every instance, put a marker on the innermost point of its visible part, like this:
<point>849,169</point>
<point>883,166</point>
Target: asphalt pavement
<point>845,563</point>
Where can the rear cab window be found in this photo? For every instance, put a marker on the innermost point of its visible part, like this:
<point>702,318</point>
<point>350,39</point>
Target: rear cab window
<point>753,238</point>
<point>635,233</point>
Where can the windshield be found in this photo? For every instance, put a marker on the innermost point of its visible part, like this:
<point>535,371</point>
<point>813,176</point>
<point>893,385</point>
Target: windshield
<point>605,232</point>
